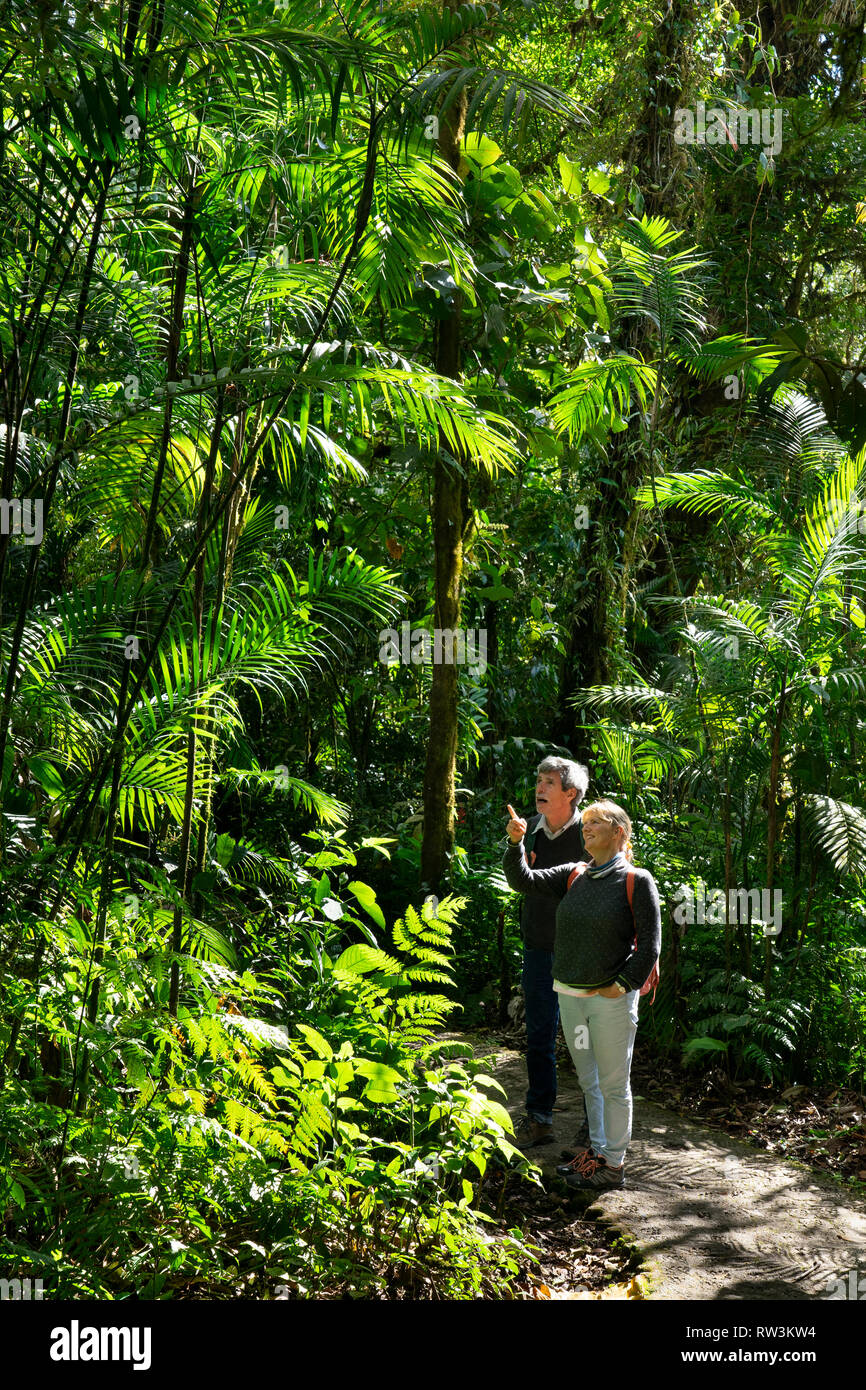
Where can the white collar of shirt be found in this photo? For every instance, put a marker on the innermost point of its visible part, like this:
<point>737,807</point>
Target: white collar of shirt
<point>554,834</point>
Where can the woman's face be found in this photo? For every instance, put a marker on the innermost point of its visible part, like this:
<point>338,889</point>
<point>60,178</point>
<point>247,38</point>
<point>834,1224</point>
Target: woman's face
<point>601,837</point>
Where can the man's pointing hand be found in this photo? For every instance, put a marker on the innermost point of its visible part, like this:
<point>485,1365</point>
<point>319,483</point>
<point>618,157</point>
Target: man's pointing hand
<point>516,827</point>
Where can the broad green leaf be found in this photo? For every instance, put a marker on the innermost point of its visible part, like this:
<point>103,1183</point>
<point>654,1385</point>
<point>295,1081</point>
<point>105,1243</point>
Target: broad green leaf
<point>362,959</point>
<point>367,898</point>
<point>47,775</point>
<point>480,150</point>
<point>319,1044</point>
<point>570,176</point>
<point>323,888</point>
<point>382,1081</point>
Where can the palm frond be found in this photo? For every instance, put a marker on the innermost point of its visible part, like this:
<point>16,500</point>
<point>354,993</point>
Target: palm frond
<point>652,282</point>
<point>707,492</point>
<point>326,808</point>
<point>830,546</point>
<point>601,392</point>
<point>838,829</point>
<point>722,356</point>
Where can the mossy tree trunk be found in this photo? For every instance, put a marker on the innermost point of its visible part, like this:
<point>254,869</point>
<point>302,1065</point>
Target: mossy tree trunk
<point>451,515</point>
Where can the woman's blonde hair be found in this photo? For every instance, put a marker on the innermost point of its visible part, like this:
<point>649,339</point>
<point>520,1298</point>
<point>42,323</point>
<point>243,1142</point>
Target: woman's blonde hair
<point>615,815</point>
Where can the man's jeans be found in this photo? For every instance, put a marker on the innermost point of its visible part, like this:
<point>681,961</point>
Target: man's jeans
<point>600,1036</point>
<point>542,1019</point>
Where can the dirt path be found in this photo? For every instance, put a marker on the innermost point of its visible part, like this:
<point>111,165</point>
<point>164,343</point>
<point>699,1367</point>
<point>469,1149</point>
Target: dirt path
<point>712,1217</point>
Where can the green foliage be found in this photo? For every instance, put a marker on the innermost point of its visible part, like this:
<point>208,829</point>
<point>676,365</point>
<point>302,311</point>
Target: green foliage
<point>303,1126</point>
<point>233,238</point>
<point>732,1015</point>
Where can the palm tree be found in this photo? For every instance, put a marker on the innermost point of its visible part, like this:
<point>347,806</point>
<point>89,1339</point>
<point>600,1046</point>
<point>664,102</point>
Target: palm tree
<point>746,717</point>
<point>197,215</point>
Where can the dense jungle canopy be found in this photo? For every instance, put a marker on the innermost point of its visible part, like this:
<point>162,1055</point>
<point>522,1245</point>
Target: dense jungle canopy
<point>392,394</point>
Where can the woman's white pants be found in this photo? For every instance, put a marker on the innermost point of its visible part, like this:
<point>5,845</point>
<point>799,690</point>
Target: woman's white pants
<point>600,1035</point>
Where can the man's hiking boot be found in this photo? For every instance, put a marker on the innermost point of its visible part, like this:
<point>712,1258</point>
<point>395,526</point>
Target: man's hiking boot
<point>597,1175</point>
<point>530,1132</point>
<point>580,1142</point>
<point>577,1164</point>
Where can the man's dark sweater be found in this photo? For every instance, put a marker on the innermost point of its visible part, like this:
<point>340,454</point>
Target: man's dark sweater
<point>538,915</point>
<point>595,930</point>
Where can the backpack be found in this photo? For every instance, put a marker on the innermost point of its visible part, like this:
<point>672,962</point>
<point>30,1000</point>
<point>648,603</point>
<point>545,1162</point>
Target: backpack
<point>651,982</point>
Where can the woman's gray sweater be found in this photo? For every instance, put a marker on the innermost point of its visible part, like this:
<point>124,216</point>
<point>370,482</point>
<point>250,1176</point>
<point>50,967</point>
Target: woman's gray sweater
<point>595,929</point>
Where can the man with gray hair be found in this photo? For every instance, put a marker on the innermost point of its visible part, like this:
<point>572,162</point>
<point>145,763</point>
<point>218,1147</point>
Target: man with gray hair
<point>552,837</point>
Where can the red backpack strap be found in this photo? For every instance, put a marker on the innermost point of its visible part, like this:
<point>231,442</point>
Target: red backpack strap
<point>575,873</point>
<point>653,978</point>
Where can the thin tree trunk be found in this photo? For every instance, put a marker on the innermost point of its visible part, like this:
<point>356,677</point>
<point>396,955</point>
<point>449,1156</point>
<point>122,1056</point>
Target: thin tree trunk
<point>773,816</point>
<point>450,512</point>
<point>729,875</point>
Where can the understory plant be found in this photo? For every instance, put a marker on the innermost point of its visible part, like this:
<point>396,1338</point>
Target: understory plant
<point>300,1128</point>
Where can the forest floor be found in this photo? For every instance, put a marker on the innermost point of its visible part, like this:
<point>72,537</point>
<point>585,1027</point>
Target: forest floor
<point>704,1214</point>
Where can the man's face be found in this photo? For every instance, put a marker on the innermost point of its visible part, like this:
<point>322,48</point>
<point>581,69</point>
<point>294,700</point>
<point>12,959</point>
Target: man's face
<point>551,800</point>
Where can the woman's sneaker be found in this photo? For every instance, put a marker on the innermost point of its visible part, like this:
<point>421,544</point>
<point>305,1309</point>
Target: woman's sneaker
<point>597,1174</point>
<point>577,1164</point>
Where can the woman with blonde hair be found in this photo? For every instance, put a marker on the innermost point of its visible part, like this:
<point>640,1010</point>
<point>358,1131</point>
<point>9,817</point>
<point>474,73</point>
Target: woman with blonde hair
<point>608,935</point>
